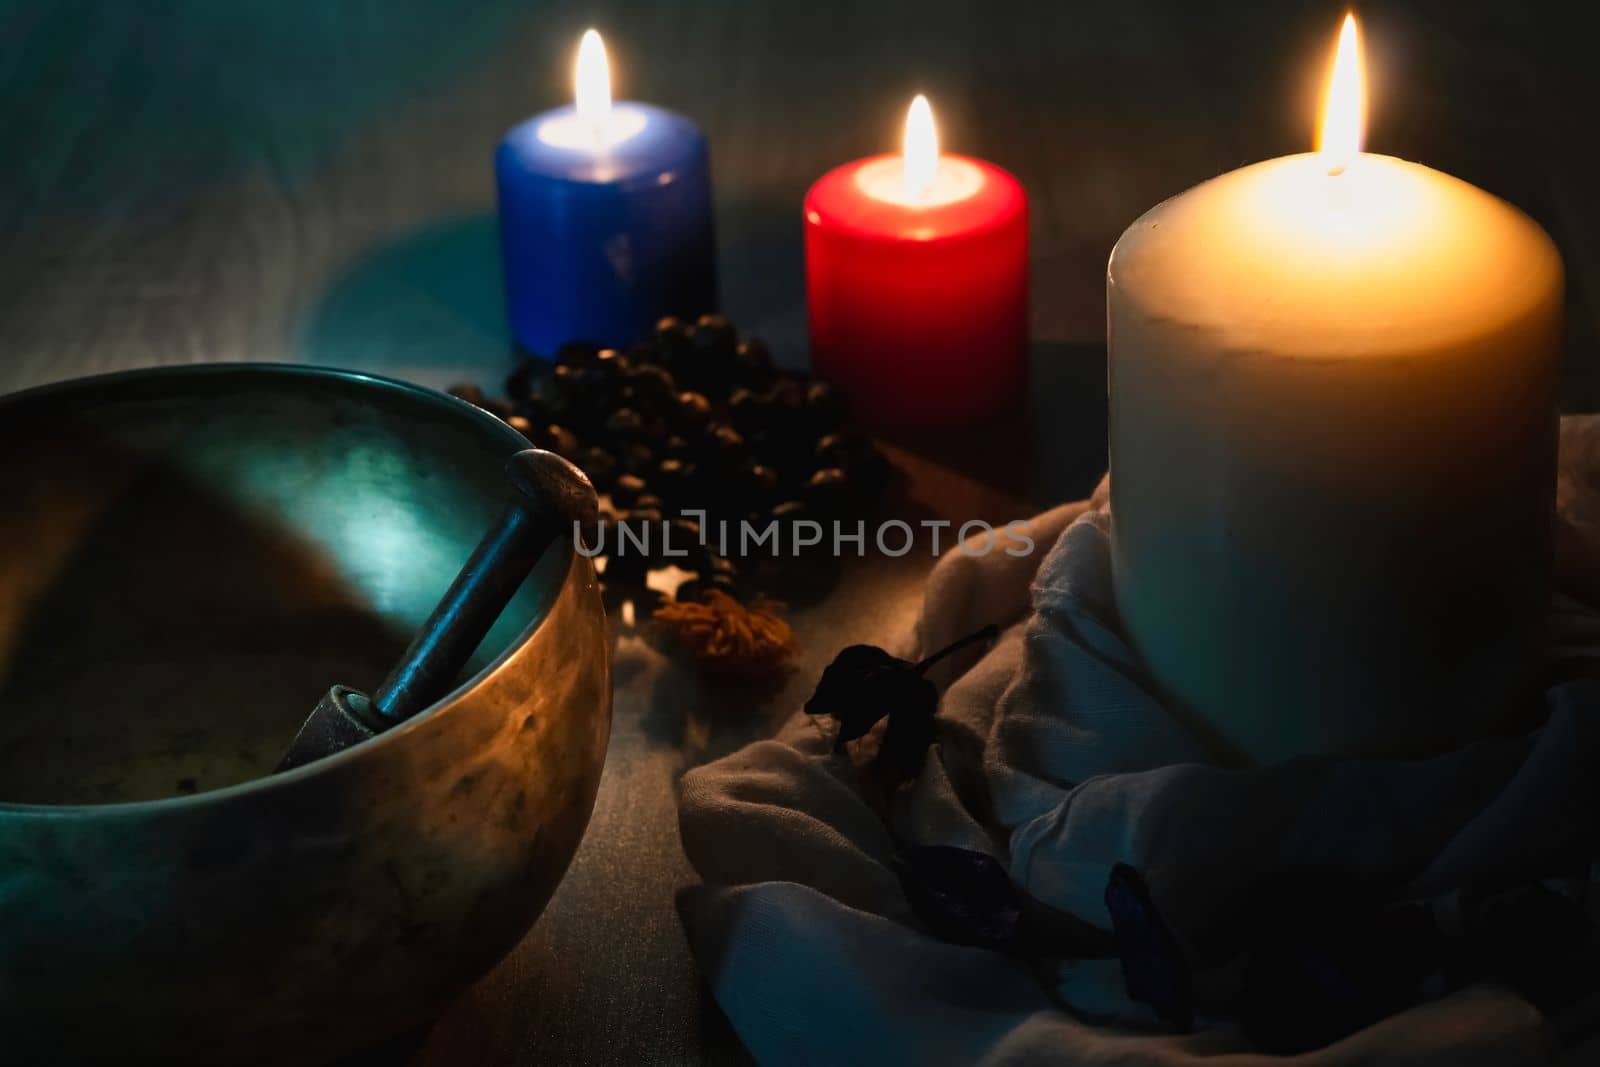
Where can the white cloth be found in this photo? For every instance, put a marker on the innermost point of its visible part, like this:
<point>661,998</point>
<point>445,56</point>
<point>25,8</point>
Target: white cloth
<point>1054,758</point>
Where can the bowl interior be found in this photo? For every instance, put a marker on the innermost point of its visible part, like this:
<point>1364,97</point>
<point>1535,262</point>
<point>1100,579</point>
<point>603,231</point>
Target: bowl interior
<point>190,557</point>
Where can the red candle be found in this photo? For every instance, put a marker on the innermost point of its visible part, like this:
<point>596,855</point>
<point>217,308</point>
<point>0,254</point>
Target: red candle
<point>917,279</point>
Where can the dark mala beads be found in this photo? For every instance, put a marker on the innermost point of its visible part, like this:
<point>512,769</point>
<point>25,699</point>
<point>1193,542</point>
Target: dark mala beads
<point>649,389</point>
<point>674,344</point>
<point>601,467</point>
<point>825,409</point>
<point>690,415</point>
<point>577,354</point>
<point>627,489</point>
<point>520,382</point>
<point>698,419</point>
<point>748,409</point>
<point>827,493</point>
<point>713,350</point>
<point>521,424</point>
<point>638,458</point>
<point>549,397</point>
<point>623,427</point>
<point>753,368</point>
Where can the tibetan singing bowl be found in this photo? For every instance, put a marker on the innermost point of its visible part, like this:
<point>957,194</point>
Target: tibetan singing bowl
<point>189,558</point>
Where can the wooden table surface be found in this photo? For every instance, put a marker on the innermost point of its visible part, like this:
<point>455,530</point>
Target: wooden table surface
<point>309,180</point>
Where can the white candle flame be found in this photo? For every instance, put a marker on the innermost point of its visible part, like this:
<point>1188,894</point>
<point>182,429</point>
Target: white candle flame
<point>921,153</point>
<point>1344,113</point>
<point>593,78</point>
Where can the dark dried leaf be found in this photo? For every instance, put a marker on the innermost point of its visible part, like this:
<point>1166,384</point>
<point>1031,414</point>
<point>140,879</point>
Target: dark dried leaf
<point>863,684</point>
<point>906,739</point>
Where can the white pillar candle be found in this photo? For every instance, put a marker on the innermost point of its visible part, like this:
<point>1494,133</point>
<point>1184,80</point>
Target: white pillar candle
<point>1333,426</point>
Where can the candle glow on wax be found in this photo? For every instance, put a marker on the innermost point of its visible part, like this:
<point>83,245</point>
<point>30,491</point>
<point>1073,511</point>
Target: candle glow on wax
<point>920,176</point>
<point>592,124</point>
<point>592,78</point>
<point>1377,225</point>
<point>1343,115</point>
<point>921,149</point>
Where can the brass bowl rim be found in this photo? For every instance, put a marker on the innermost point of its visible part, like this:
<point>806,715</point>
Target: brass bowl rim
<point>444,402</point>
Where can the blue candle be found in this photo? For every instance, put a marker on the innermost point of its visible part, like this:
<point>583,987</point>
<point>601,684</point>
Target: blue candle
<point>605,218</point>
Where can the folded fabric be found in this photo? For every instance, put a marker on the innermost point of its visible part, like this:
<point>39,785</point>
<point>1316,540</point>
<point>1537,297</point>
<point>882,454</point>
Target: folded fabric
<point>1054,757</point>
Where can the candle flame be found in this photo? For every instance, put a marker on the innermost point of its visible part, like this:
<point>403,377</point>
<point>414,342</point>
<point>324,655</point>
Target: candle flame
<point>921,153</point>
<point>1344,112</point>
<point>593,78</point>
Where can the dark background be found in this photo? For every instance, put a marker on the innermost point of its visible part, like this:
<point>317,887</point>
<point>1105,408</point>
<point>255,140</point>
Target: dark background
<point>310,180</point>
